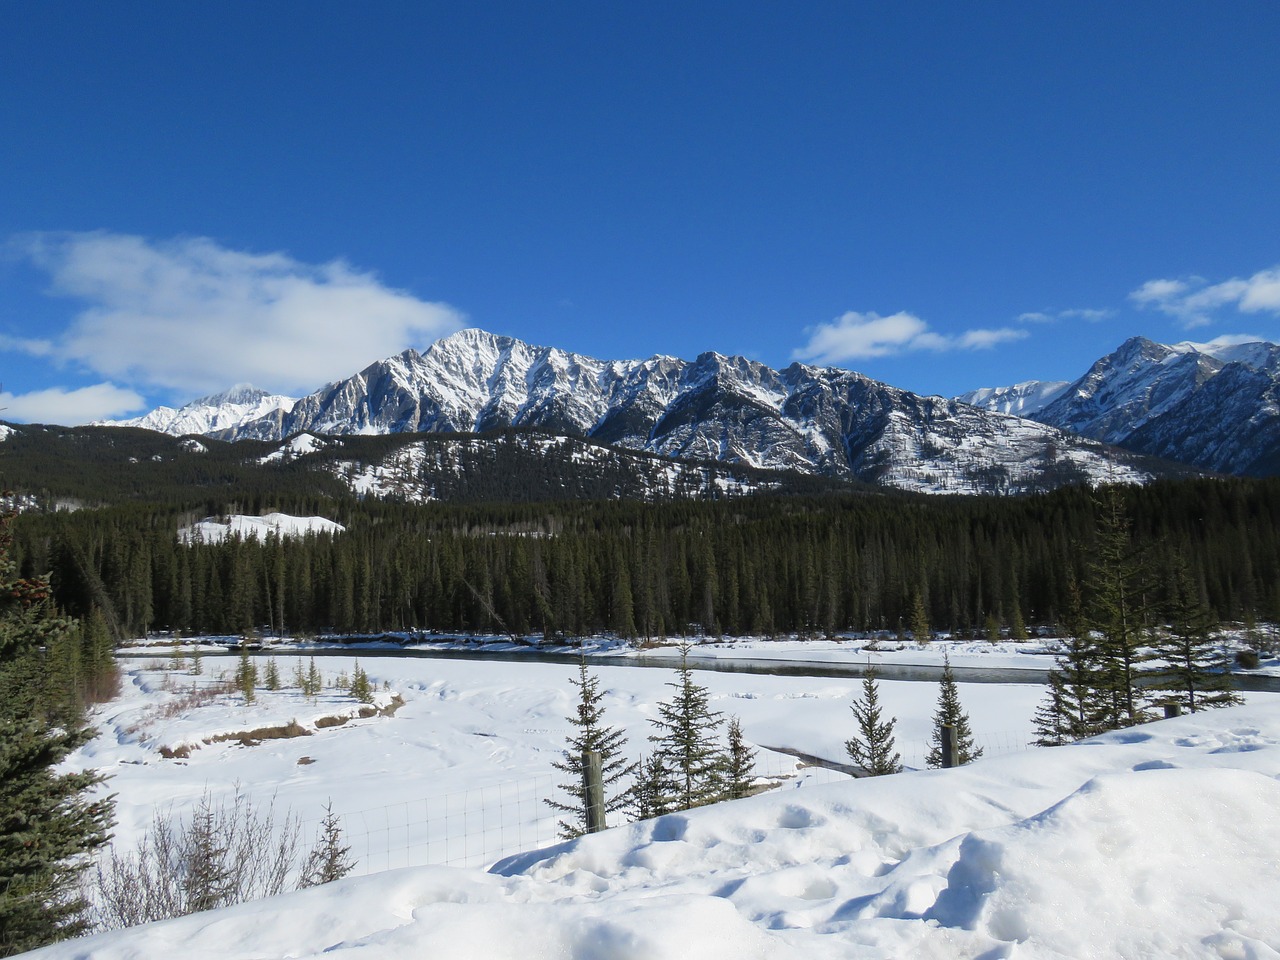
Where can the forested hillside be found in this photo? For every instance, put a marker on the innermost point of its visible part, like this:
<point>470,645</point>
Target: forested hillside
<point>760,565</point>
<point>95,466</point>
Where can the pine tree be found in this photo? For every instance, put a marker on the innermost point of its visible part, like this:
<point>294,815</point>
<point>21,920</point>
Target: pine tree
<point>328,860</point>
<point>687,741</point>
<point>360,688</point>
<point>872,747</point>
<point>1197,673</point>
<point>49,823</point>
<point>920,620</point>
<point>740,761</point>
<point>951,714</point>
<point>1119,582</point>
<point>654,788</point>
<point>209,878</point>
<point>315,681</point>
<point>590,733</point>
<point>273,674</point>
<point>246,675</point>
<point>1076,705</point>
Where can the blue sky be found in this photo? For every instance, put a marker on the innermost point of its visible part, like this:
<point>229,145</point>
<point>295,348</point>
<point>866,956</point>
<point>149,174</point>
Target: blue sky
<point>942,196</point>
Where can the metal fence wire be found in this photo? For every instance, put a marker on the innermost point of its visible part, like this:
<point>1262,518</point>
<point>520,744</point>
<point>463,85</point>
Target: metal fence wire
<point>481,825</point>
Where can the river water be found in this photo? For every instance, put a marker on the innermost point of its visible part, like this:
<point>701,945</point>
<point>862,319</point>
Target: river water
<point>776,668</point>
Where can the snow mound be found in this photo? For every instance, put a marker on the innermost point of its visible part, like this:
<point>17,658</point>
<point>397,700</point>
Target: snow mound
<point>218,529</point>
<point>1086,876</point>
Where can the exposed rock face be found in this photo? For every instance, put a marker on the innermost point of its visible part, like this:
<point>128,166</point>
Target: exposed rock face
<point>821,421</point>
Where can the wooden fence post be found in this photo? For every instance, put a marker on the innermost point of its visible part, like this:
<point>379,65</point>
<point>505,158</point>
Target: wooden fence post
<point>593,790</point>
<point>950,749</point>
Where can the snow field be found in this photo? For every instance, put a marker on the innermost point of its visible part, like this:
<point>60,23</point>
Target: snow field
<point>1159,841</point>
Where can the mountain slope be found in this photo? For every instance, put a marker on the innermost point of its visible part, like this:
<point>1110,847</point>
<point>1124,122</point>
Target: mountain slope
<point>220,411</point>
<point>1212,405</point>
<point>815,421</point>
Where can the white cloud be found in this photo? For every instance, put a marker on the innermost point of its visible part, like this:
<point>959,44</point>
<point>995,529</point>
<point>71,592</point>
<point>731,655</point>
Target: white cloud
<point>1042,316</point>
<point>33,348</point>
<point>1194,301</point>
<point>58,405</point>
<point>862,336</point>
<point>193,316</point>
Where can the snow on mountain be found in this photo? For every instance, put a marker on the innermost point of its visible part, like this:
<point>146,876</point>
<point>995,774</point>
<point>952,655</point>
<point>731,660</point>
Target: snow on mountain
<point>1153,841</point>
<point>218,529</point>
<point>299,446</point>
<point>210,414</point>
<point>1020,400</point>
<point>818,421</point>
<point>1213,405</point>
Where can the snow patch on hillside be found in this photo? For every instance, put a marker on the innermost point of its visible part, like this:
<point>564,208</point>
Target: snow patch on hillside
<point>299,446</point>
<point>218,529</point>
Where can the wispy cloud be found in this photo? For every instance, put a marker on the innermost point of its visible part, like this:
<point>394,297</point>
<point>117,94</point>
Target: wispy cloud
<point>32,348</point>
<point>1193,301</point>
<point>1053,316</point>
<point>191,315</point>
<point>863,336</point>
<point>57,405</point>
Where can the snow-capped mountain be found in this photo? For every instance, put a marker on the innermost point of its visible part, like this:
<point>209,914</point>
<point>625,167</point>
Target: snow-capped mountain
<point>1020,400</point>
<point>1216,406</point>
<point>221,411</point>
<point>820,421</point>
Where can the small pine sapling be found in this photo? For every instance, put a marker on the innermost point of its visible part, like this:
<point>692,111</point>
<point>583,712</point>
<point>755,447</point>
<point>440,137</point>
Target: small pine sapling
<point>591,734</point>
<point>329,859</point>
<point>951,714</point>
<point>872,747</point>
<point>273,675</point>
<point>246,675</point>
<point>360,688</point>
<point>740,761</point>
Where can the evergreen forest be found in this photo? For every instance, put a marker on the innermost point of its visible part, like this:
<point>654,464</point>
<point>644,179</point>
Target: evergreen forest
<point>760,565</point>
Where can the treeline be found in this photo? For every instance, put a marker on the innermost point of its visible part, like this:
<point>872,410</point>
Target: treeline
<point>757,565</point>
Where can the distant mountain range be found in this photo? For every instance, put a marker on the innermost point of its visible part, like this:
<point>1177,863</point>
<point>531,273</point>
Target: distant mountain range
<point>1211,406</point>
<point>822,422</point>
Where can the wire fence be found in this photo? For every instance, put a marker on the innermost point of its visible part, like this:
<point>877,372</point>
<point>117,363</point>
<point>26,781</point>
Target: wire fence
<point>479,826</point>
<point>471,828</point>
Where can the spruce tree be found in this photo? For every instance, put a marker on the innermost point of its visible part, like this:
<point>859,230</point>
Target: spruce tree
<point>920,630</point>
<point>950,713</point>
<point>314,685</point>
<point>49,822</point>
<point>1076,704</point>
<point>654,788</point>
<point>1196,674</point>
<point>272,674</point>
<point>246,675</point>
<point>360,688</point>
<point>740,761</point>
<point>687,740</point>
<point>872,747</point>
<point>1119,580</point>
<point>329,859</point>
<point>590,733</point>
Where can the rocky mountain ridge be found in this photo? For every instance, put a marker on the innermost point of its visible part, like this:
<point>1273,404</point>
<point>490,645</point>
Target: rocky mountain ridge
<point>817,421</point>
<point>1214,406</point>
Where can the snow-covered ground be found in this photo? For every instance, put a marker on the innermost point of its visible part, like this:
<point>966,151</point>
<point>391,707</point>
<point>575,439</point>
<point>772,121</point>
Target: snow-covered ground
<point>217,529</point>
<point>1158,841</point>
